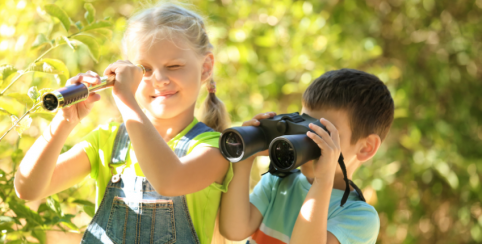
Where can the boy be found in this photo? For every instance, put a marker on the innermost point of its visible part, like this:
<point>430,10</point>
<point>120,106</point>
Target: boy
<point>357,109</point>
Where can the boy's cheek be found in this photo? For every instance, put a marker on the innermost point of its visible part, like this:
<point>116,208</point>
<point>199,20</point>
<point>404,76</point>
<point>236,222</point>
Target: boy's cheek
<point>307,168</point>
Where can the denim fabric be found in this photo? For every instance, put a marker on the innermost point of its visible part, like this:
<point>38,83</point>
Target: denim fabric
<point>131,210</point>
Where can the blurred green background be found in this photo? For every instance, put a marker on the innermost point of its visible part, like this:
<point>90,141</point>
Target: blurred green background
<point>425,179</point>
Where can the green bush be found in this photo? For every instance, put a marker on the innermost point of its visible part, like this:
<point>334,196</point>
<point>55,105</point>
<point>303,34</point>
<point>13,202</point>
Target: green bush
<point>424,181</point>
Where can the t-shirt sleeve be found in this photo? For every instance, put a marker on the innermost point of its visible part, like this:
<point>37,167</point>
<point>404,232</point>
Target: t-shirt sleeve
<point>358,223</point>
<point>206,139</point>
<point>261,195</point>
<point>91,144</point>
<point>211,139</point>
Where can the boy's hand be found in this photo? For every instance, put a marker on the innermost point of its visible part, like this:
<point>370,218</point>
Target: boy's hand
<point>325,166</point>
<point>255,122</point>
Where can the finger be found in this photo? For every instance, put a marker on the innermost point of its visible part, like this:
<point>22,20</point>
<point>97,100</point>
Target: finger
<point>93,97</point>
<point>265,115</point>
<point>252,122</point>
<point>74,80</point>
<point>335,136</point>
<point>94,74</point>
<point>110,69</point>
<point>322,133</point>
<point>90,79</point>
<point>318,140</point>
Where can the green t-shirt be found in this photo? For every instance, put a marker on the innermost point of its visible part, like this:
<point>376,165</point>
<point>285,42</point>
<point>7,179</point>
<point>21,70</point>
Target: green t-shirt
<point>203,205</point>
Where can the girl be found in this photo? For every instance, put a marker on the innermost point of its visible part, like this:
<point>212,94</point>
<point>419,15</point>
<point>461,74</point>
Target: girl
<point>178,199</point>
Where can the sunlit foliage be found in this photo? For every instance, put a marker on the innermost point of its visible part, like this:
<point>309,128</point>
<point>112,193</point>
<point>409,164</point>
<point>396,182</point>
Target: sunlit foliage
<point>424,181</point>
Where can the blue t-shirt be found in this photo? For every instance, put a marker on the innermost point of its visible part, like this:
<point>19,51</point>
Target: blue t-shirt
<point>280,199</point>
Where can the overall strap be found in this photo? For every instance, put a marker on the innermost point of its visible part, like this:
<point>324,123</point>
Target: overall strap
<point>183,144</point>
<point>121,146</point>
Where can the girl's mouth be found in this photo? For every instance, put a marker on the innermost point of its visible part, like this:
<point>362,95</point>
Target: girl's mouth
<point>164,95</point>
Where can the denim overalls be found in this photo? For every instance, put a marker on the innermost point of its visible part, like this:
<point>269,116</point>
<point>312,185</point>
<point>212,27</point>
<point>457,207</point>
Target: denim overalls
<point>133,212</point>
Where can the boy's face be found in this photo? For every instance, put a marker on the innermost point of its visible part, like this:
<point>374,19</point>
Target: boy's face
<point>340,119</point>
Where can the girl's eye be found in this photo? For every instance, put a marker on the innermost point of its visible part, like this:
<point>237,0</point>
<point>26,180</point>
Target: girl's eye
<point>176,66</point>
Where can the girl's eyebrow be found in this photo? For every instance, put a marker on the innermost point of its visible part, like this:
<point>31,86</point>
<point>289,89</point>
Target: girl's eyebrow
<point>174,60</point>
<point>180,60</point>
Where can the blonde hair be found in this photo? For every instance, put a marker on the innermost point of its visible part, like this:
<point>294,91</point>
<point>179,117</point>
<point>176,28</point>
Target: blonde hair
<point>167,20</point>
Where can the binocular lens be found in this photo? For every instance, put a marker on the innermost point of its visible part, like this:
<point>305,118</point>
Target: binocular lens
<point>233,145</point>
<point>283,154</point>
<point>50,102</point>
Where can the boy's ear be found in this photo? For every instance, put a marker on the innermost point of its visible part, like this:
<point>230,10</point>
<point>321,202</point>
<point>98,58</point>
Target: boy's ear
<point>207,68</point>
<point>368,147</point>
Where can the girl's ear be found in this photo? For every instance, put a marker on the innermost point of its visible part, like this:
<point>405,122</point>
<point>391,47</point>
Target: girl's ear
<point>207,67</point>
<point>368,147</point>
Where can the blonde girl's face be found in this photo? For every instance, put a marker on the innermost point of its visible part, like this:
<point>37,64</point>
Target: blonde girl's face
<point>174,75</point>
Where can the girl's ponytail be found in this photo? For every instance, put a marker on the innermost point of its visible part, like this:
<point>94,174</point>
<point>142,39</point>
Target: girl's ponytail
<point>213,111</point>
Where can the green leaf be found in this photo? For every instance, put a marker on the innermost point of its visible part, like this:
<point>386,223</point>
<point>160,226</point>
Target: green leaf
<point>44,68</point>
<point>21,126</point>
<point>42,208</point>
<point>71,225</point>
<point>97,25</point>
<point>44,115</point>
<point>6,222</point>
<point>17,155</point>
<point>55,206</point>
<point>67,220</point>
<point>79,25</point>
<point>5,71</point>
<point>40,235</point>
<point>59,67</point>
<point>90,14</point>
<point>10,108</point>
<point>89,211</point>
<point>68,42</point>
<point>45,90</point>
<point>33,93</point>
<point>92,45</point>
<point>84,202</point>
<point>40,40</point>
<point>21,98</point>
<point>16,242</point>
<point>22,211</point>
<point>60,14</point>
<point>5,111</point>
<point>101,33</point>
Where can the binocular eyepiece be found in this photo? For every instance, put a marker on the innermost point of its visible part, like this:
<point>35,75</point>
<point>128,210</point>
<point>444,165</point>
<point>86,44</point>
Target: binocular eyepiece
<point>284,135</point>
<point>69,95</point>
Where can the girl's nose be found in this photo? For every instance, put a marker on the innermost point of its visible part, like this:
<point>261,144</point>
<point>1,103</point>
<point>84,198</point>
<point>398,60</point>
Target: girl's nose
<point>160,78</point>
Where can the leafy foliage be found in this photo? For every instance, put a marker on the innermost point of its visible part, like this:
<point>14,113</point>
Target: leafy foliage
<point>19,222</point>
<point>424,181</point>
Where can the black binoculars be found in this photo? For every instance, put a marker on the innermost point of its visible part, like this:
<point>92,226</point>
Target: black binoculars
<point>284,135</point>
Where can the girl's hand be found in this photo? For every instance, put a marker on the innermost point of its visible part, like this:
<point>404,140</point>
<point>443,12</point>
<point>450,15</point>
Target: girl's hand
<point>255,122</point>
<point>127,78</point>
<point>325,166</point>
<point>75,113</point>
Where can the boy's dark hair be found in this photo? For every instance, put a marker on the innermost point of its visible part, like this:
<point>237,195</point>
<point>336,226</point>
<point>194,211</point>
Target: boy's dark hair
<point>366,99</point>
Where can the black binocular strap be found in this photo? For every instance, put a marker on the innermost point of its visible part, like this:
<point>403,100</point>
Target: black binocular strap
<point>348,183</point>
<point>272,170</point>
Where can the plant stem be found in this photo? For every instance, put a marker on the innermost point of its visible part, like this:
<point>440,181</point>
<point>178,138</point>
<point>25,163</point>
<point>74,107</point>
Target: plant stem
<point>23,72</point>
<point>18,121</point>
<point>11,83</point>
